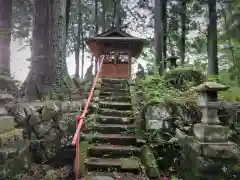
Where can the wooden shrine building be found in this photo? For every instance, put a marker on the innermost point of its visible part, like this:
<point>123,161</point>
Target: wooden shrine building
<point>118,49</point>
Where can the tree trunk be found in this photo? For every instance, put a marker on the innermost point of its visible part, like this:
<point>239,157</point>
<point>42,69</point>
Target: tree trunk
<point>78,41</point>
<point>212,45</point>
<point>114,14</point>
<point>103,17</point>
<point>63,83</point>
<point>48,76</point>
<point>183,31</point>
<point>96,29</point>
<point>83,49</point>
<point>158,33</point>
<point>41,74</point>
<point>164,21</point>
<point>118,20</point>
<point>212,40</point>
<point>5,35</point>
<point>96,16</point>
<point>68,8</point>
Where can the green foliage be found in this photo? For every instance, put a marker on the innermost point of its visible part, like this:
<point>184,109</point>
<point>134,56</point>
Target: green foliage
<point>175,88</point>
<point>155,89</point>
<point>183,78</point>
<point>232,94</point>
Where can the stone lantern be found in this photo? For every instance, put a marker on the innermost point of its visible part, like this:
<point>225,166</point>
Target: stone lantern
<point>210,139</point>
<point>210,135</point>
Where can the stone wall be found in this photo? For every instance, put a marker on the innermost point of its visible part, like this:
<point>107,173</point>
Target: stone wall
<point>34,132</point>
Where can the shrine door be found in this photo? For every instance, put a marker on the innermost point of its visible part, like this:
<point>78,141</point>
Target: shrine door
<point>116,65</point>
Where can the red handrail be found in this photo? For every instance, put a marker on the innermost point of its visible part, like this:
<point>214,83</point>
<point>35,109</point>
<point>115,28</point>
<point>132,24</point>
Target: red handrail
<point>80,120</point>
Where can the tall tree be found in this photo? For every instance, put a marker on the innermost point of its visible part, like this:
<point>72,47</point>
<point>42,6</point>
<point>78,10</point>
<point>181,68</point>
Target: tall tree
<point>103,2</point>
<point>212,44</point>
<point>48,74</point>
<point>164,21</point>
<point>96,30</point>
<point>67,14</point>
<point>212,40</point>
<point>63,84</point>
<point>83,48</point>
<point>108,14</point>
<point>116,19</point>
<point>42,68</point>
<point>78,40</point>
<point>96,17</point>
<point>158,35</point>
<point>114,13</point>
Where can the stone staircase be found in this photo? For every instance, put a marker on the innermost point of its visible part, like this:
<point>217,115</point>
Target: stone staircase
<point>13,149</point>
<point>113,151</point>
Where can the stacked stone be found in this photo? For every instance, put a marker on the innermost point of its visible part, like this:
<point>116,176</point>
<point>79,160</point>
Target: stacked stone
<point>48,126</point>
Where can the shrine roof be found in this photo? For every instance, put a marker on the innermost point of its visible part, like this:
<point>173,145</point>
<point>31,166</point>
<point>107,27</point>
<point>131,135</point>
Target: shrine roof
<point>114,34</point>
<point>115,39</point>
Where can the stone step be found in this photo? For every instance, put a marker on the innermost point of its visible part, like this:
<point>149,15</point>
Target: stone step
<point>112,112</point>
<point>10,137</point>
<point>115,139</point>
<point>115,89</point>
<point>113,151</point>
<point>115,175</point>
<point>115,105</point>
<point>112,128</point>
<point>113,165</point>
<point>116,98</point>
<point>7,123</point>
<point>12,150</point>
<point>113,94</point>
<point>114,120</point>
<point>114,81</point>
